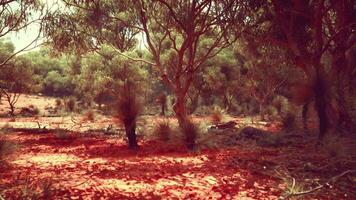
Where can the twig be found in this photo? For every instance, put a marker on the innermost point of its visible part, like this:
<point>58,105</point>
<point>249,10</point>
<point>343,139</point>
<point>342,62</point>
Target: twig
<point>331,180</point>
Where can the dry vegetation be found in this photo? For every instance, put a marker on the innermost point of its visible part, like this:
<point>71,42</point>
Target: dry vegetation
<point>262,161</point>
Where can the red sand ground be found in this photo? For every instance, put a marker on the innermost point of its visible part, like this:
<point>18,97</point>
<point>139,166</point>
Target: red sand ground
<point>93,167</point>
<point>46,166</point>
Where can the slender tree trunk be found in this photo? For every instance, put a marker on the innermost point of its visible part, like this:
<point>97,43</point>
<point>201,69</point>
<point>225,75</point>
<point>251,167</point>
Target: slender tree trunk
<point>130,129</point>
<point>305,115</point>
<point>321,105</point>
<point>262,111</point>
<point>12,109</point>
<point>163,109</point>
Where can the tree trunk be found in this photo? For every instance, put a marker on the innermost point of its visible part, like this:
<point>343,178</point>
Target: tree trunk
<point>12,109</point>
<point>130,129</point>
<point>321,105</point>
<point>163,109</point>
<point>179,108</point>
<point>305,115</point>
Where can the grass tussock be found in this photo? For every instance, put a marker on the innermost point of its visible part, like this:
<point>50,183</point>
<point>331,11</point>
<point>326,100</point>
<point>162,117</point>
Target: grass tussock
<point>217,115</point>
<point>89,115</point>
<point>163,131</point>
<point>190,132</point>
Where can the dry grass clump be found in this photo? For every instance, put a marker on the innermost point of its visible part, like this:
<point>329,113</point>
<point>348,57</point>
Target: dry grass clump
<point>29,111</point>
<point>89,115</point>
<point>163,131</point>
<point>190,132</point>
<point>217,115</point>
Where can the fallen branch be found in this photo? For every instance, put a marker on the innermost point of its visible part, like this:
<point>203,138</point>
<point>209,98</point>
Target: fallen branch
<point>331,180</point>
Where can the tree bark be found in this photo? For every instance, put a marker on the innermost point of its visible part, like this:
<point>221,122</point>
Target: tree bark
<point>179,108</point>
<point>305,115</point>
<point>321,105</point>
<point>130,129</point>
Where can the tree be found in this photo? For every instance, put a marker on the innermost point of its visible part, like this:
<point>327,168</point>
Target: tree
<point>15,80</point>
<point>51,74</point>
<point>180,35</point>
<point>318,34</point>
<point>313,30</point>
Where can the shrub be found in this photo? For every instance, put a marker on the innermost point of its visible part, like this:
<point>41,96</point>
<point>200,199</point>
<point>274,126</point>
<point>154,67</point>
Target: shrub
<point>163,131</point>
<point>70,104</point>
<point>272,112</point>
<point>190,132</point>
<point>31,110</point>
<point>217,115</point>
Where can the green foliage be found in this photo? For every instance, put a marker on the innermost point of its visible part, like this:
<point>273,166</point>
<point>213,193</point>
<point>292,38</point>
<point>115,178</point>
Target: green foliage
<point>17,77</point>
<point>104,73</point>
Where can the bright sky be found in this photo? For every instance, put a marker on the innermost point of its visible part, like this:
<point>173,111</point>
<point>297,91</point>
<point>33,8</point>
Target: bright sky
<point>25,36</point>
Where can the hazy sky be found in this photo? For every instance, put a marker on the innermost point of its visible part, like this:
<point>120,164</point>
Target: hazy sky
<point>24,37</point>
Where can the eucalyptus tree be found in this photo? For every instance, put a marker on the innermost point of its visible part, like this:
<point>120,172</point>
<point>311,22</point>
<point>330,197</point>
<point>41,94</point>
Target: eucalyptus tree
<point>15,79</point>
<point>318,33</point>
<point>320,36</point>
<point>180,35</point>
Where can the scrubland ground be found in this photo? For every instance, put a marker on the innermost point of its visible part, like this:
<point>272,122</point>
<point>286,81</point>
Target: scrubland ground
<point>76,157</point>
